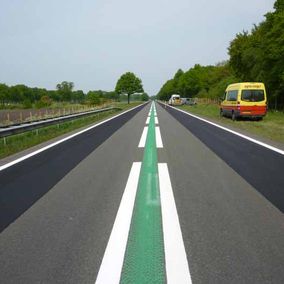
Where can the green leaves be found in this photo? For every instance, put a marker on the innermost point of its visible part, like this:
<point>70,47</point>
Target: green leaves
<point>256,56</point>
<point>65,90</point>
<point>129,84</point>
<point>259,55</point>
<point>201,81</point>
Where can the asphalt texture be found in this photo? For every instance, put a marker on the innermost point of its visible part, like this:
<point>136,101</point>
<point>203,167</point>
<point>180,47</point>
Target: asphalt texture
<point>26,182</point>
<point>259,166</point>
<point>232,232</point>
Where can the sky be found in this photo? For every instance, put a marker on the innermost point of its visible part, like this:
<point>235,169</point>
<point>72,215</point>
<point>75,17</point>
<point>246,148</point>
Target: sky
<point>93,42</point>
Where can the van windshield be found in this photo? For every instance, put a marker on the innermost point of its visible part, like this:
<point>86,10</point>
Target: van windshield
<point>252,95</point>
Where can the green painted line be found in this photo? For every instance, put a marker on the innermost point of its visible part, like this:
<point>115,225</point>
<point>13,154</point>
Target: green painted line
<point>144,260</point>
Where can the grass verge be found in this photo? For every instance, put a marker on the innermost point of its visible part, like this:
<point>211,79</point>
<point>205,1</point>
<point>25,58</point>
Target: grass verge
<point>270,127</point>
<point>19,142</point>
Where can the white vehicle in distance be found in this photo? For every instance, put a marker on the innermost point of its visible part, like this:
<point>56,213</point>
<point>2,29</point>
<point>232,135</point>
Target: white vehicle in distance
<point>175,100</point>
<point>189,101</point>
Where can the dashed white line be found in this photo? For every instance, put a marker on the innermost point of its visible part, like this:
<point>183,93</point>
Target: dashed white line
<point>111,266</point>
<point>156,120</point>
<point>177,269</point>
<point>143,138</point>
<point>159,142</point>
<point>148,120</point>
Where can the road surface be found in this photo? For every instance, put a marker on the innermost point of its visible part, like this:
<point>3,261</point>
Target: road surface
<point>151,196</point>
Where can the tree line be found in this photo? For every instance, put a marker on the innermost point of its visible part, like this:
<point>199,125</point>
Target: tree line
<point>128,85</point>
<point>255,56</point>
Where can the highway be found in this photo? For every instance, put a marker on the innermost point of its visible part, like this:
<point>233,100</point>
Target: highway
<point>151,196</point>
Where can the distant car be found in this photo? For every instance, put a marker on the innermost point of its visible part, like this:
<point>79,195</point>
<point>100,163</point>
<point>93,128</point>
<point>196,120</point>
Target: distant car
<point>189,101</point>
<point>175,100</point>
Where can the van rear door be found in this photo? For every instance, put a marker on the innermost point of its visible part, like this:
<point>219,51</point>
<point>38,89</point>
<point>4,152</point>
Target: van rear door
<point>253,101</point>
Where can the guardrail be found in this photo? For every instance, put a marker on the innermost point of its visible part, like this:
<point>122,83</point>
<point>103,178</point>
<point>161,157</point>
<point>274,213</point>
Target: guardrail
<point>17,129</point>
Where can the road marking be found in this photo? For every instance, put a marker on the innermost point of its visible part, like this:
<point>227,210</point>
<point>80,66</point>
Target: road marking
<point>159,142</point>
<point>144,260</point>
<point>111,266</point>
<point>148,120</point>
<point>176,261</point>
<point>61,141</point>
<point>234,132</point>
<point>143,138</point>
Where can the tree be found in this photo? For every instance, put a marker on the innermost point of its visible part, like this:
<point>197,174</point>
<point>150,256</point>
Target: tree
<point>77,96</point>
<point>167,90</point>
<point>259,55</point>
<point>144,97</point>
<point>129,84</point>
<point>279,6</point>
<point>4,94</point>
<point>65,90</point>
<point>93,98</point>
<point>111,96</point>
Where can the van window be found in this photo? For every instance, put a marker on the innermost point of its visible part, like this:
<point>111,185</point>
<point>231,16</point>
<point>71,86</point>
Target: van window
<point>232,95</point>
<point>252,95</point>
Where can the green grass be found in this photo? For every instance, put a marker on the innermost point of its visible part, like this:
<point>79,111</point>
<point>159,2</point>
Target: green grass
<point>19,142</point>
<point>270,127</point>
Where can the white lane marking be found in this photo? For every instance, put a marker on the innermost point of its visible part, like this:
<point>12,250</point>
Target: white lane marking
<point>236,133</point>
<point>143,138</point>
<point>156,120</point>
<point>60,141</point>
<point>176,261</point>
<point>148,120</point>
<point>111,266</point>
<point>159,142</point>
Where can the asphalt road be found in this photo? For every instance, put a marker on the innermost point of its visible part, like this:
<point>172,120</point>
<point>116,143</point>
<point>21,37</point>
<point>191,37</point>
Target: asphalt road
<point>57,208</point>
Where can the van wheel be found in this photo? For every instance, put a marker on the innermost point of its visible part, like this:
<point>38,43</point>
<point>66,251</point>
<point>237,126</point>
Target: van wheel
<point>221,113</point>
<point>234,116</point>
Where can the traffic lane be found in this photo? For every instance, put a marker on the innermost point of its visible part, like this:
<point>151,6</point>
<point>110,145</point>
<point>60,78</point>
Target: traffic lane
<point>24,183</point>
<point>63,236</point>
<point>232,234</point>
<point>259,166</point>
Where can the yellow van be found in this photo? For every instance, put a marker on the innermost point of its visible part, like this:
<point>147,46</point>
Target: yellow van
<point>244,100</point>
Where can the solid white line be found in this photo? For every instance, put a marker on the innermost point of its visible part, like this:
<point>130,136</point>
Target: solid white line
<point>60,141</point>
<point>236,133</point>
<point>143,138</point>
<point>111,266</point>
<point>156,120</point>
<point>176,261</point>
<point>159,142</point>
<point>148,120</point>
